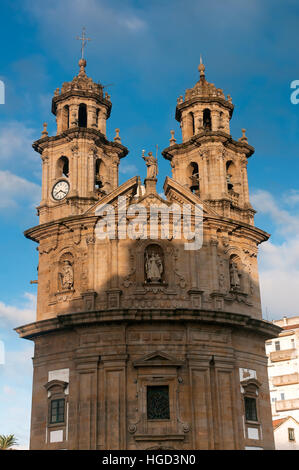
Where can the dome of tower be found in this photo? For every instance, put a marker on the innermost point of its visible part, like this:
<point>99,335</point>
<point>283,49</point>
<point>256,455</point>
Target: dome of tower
<point>82,86</point>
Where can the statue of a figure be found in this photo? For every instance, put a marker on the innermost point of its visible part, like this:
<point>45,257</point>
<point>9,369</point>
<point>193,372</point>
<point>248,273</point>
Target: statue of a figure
<point>66,276</point>
<point>234,276</point>
<point>152,165</point>
<point>153,267</point>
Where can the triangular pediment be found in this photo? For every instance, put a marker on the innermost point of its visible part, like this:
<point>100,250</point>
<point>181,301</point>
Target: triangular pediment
<point>152,199</point>
<point>176,193</point>
<point>158,359</point>
<point>127,189</point>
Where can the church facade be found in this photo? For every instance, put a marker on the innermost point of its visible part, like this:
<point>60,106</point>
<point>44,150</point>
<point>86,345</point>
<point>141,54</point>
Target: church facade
<point>142,342</point>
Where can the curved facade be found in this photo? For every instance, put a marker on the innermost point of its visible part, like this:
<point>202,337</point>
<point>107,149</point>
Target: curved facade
<point>142,342</point>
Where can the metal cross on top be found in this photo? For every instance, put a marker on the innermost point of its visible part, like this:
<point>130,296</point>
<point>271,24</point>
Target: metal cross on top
<point>84,40</point>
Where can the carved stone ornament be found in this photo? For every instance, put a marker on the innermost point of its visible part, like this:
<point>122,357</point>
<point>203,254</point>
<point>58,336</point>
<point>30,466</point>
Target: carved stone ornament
<point>66,275</point>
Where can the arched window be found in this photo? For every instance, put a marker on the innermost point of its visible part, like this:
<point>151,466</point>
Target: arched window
<point>154,264</point>
<point>230,174</point>
<point>62,168</point>
<point>98,181</point>
<point>194,177</point>
<point>65,118</point>
<point>190,127</point>
<point>82,118</point>
<point>97,117</point>
<point>207,122</point>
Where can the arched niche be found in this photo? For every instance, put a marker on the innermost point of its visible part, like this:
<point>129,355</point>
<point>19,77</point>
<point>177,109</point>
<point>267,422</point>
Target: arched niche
<point>62,167</point>
<point>207,120</point>
<point>154,264</point>
<point>82,115</point>
<point>65,118</point>
<point>193,173</point>
<point>231,175</point>
<point>190,125</point>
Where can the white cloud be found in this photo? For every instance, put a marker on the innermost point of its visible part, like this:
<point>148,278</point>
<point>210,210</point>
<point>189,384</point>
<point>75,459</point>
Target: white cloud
<point>92,12</point>
<point>265,203</point>
<point>127,168</point>
<point>14,190</point>
<point>16,316</point>
<point>16,142</point>
<point>279,262</point>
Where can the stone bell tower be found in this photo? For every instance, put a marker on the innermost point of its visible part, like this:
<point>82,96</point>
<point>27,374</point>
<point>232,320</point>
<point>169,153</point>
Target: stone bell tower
<point>79,164</point>
<point>140,341</point>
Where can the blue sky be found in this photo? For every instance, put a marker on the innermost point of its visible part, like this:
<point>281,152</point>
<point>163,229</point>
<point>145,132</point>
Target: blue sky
<point>149,51</point>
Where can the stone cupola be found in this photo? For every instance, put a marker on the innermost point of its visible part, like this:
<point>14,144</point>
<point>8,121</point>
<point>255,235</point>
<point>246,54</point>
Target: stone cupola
<point>204,108</point>
<point>81,103</point>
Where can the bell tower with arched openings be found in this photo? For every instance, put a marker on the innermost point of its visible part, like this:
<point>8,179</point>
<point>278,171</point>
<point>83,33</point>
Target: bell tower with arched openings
<point>209,161</point>
<point>79,164</point>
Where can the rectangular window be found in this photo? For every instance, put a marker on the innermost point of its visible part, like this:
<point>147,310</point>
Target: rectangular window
<point>291,433</point>
<point>57,411</point>
<point>282,396</point>
<point>277,346</point>
<point>250,409</point>
<point>158,402</point>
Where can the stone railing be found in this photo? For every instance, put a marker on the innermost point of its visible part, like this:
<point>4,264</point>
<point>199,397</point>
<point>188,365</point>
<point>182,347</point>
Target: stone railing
<point>285,405</point>
<point>286,379</point>
<point>283,355</point>
<point>234,196</point>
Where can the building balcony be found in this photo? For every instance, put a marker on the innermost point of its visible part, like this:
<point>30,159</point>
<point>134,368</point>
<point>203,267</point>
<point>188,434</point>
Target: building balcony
<point>287,379</point>
<point>283,355</point>
<point>234,197</point>
<point>286,405</point>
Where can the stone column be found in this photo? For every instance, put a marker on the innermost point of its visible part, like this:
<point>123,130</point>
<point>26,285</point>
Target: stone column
<point>45,178</point>
<point>244,176</point>
<point>91,117</point>
<point>74,115</point>
<point>86,369</point>
<point>59,120</point>
<point>102,120</point>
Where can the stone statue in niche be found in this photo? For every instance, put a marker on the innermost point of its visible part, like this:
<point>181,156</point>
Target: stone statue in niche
<point>234,276</point>
<point>66,275</point>
<point>153,267</point>
<point>152,165</point>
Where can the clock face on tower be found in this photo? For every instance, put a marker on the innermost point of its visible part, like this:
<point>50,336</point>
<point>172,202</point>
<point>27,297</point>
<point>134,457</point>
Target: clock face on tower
<point>60,190</point>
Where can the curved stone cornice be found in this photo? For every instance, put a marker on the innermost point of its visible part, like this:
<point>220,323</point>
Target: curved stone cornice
<point>208,137</point>
<point>73,320</point>
<point>201,99</point>
<point>98,138</point>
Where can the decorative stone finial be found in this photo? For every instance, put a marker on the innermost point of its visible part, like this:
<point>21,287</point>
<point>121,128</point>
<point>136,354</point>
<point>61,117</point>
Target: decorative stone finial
<point>45,132</point>
<point>82,65</point>
<point>201,69</point>
<point>117,138</point>
<point>243,138</point>
<point>229,98</point>
<point>172,140</point>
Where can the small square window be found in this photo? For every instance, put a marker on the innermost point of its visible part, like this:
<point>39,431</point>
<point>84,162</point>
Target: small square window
<point>158,402</point>
<point>291,433</point>
<point>250,409</point>
<point>57,411</point>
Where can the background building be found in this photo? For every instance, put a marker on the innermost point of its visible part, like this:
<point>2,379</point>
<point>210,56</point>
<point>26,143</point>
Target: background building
<point>286,433</point>
<point>142,344</point>
<point>283,371</point>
